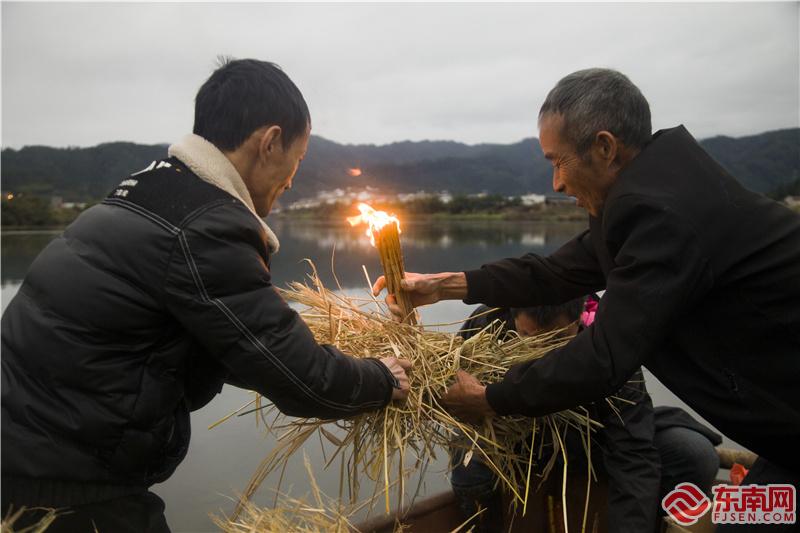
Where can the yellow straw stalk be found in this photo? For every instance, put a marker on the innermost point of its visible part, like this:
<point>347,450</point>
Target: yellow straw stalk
<point>388,444</point>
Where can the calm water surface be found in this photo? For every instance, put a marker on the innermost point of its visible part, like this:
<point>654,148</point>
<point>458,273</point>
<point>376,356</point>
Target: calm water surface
<point>221,461</point>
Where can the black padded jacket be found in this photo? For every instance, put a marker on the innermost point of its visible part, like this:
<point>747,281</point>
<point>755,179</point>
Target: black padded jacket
<point>137,314</point>
<point>702,281</point>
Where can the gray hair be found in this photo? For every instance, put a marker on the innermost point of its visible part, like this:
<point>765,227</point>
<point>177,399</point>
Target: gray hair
<point>599,99</point>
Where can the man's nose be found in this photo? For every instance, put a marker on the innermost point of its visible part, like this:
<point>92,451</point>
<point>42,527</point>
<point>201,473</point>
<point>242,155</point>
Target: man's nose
<point>558,185</point>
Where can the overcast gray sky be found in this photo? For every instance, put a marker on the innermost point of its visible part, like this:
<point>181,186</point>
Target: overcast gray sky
<point>81,74</point>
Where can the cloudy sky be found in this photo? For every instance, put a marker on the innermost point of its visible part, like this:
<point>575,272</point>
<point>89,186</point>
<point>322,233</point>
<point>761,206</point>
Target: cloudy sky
<point>80,74</point>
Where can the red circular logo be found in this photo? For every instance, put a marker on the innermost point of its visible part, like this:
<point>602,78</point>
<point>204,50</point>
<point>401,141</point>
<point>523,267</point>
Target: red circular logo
<point>685,504</point>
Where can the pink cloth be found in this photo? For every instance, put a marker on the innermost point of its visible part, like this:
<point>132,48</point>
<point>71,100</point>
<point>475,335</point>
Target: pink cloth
<point>589,310</point>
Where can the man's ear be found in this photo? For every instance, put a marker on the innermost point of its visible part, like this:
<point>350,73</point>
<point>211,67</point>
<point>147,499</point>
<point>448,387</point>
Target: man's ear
<point>606,146</point>
<point>269,142</point>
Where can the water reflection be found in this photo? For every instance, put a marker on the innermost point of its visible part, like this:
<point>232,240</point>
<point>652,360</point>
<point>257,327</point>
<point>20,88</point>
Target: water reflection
<point>427,247</point>
<point>19,249</point>
<point>418,234</point>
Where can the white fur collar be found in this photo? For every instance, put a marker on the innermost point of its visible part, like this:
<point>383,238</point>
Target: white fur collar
<point>211,166</point>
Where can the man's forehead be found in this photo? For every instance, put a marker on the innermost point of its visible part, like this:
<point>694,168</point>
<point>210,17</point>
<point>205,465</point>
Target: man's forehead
<point>551,123</point>
<point>550,134</point>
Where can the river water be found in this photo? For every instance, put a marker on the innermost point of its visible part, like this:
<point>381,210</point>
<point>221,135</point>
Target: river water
<point>221,461</point>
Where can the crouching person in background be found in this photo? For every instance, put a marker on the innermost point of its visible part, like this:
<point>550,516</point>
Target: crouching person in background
<point>150,301</point>
<point>642,452</point>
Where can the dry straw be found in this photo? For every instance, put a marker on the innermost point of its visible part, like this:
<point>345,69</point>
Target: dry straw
<point>387,241</point>
<point>388,444</point>
<point>9,522</point>
<point>322,514</point>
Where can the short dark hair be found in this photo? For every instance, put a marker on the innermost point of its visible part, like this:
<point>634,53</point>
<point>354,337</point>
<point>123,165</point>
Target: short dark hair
<point>243,95</point>
<point>599,99</point>
<point>547,315</point>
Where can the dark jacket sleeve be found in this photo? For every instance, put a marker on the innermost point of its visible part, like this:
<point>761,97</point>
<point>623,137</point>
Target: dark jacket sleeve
<point>631,459</point>
<point>572,271</point>
<point>660,270</point>
<point>218,287</point>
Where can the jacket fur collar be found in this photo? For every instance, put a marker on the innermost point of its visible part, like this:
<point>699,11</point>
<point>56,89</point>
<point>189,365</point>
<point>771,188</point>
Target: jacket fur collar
<point>211,166</point>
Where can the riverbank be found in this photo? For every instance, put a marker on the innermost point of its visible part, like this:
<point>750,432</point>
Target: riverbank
<point>561,212</point>
<point>553,215</point>
<point>545,213</point>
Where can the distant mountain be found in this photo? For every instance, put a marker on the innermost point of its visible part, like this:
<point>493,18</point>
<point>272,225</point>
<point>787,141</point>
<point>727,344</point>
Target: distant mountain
<point>766,162</point>
<point>76,174</point>
<point>762,162</point>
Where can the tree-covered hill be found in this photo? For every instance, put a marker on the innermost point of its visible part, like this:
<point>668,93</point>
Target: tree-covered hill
<point>766,163</point>
<point>76,174</point>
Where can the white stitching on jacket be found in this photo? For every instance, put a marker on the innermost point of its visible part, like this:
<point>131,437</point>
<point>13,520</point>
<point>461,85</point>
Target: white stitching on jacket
<point>193,267</point>
<point>144,212</point>
<point>266,352</point>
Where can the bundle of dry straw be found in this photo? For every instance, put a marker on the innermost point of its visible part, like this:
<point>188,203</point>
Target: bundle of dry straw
<point>316,514</point>
<point>406,435</point>
<point>322,515</point>
<point>387,241</point>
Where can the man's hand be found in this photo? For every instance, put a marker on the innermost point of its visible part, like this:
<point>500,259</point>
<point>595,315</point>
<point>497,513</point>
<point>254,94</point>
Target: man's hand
<point>398,368</point>
<point>425,289</point>
<point>466,399</point>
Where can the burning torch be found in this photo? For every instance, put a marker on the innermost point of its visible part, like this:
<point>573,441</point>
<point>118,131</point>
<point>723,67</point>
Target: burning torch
<point>383,231</point>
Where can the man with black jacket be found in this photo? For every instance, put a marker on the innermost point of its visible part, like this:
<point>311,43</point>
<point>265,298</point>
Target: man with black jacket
<point>702,279</point>
<point>150,301</point>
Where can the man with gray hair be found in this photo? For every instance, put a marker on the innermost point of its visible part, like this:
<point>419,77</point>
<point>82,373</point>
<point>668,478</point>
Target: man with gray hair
<point>702,279</point>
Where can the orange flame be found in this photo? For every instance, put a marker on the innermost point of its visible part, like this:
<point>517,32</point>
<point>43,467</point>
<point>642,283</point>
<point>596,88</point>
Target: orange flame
<point>374,219</point>
<point>355,172</point>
